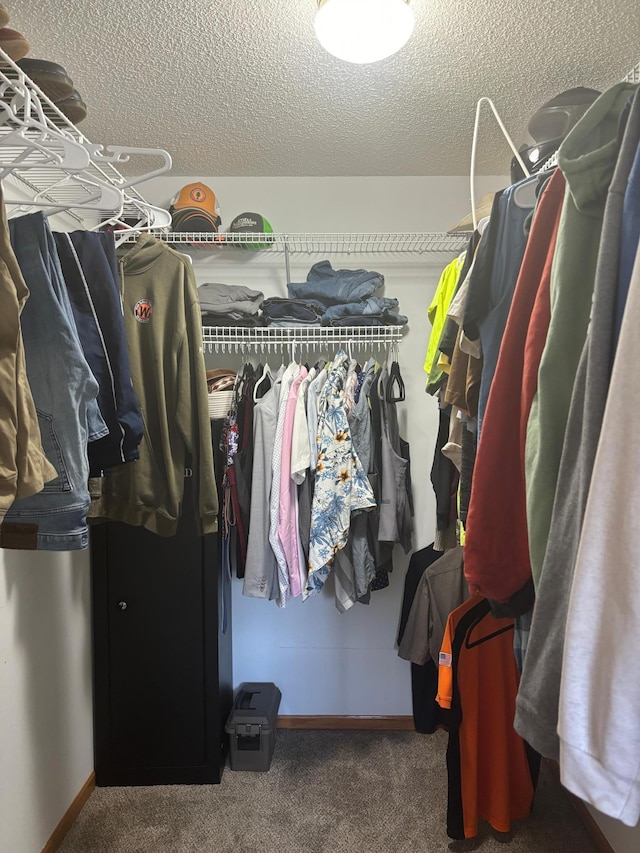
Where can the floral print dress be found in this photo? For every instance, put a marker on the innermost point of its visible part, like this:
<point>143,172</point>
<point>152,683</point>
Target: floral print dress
<point>341,484</point>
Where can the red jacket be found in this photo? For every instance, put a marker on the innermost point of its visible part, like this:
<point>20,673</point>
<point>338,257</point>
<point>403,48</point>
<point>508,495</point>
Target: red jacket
<point>496,554</point>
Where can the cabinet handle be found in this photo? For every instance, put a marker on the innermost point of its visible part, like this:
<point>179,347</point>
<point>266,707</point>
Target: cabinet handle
<point>122,605</point>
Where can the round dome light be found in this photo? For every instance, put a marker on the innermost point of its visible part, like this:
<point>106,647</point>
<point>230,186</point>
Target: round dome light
<point>363,31</point>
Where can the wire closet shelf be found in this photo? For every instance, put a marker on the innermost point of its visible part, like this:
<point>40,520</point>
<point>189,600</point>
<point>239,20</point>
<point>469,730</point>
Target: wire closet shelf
<point>330,243</point>
<point>267,339</point>
<point>62,170</point>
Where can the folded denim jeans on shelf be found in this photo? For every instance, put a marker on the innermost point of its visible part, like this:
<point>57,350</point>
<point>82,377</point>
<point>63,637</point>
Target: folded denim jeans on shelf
<point>306,310</point>
<point>290,322</point>
<point>372,305</point>
<point>216,298</point>
<point>385,318</point>
<point>335,287</point>
<point>249,321</point>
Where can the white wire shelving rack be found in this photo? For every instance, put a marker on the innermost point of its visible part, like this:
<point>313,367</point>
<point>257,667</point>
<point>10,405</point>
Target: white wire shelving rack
<point>326,244</point>
<point>60,169</point>
<point>277,339</point>
<point>329,243</point>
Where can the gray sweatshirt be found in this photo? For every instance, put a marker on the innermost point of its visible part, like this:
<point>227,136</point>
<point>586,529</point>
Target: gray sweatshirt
<point>599,717</point>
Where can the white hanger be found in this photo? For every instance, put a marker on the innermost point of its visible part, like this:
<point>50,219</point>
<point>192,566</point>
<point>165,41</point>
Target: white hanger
<point>122,154</point>
<point>65,164</point>
<point>474,146</point>
<point>106,198</point>
<point>525,193</point>
<point>54,149</point>
<point>266,374</point>
<point>152,218</point>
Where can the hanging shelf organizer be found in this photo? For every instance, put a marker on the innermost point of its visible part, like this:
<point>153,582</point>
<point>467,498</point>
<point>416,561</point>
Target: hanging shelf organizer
<point>59,167</point>
<point>318,243</point>
<point>267,339</point>
<point>271,338</point>
<point>323,244</point>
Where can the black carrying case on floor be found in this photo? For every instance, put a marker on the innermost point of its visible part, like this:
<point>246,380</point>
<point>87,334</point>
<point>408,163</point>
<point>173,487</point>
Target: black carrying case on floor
<point>252,726</point>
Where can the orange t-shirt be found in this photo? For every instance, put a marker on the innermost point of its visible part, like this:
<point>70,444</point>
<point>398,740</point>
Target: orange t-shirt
<point>488,769</point>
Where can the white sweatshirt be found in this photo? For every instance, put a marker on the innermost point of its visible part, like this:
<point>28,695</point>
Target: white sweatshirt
<point>599,720</point>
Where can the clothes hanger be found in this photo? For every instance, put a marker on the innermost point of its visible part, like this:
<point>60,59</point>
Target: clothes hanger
<point>525,193</point>
<point>152,218</point>
<point>379,385</point>
<point>395,379</point>
<point>118,154</point>
<point>106,198</point>
<point>266,375</point>
<point>53,147</point>
<point>474,147</point>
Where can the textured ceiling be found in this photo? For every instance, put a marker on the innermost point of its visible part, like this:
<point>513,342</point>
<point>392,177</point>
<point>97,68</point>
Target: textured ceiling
<point>241,87</point>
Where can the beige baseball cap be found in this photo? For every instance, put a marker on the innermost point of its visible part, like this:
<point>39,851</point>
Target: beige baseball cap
<point>483,208</point>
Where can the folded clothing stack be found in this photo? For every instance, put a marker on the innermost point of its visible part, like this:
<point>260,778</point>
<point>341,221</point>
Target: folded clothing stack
<point>374,311</point>
<point>292,312</point>
<point>230,305</point>
<point>335,298</point>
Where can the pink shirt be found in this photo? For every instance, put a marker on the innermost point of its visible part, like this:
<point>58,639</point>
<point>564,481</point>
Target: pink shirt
<point>288,515</point>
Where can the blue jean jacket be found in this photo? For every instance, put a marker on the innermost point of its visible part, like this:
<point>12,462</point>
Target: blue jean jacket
<point>64,392</point>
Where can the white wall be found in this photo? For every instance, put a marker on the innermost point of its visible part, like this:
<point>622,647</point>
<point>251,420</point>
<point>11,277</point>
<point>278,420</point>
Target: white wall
<point>46,711</point>
<point>46,725</point>
<point>623,839</point>
<point>324,662</point>
<point>413,204</point>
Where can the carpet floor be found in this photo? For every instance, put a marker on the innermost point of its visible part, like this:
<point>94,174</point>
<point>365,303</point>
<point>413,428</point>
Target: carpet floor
<point>326,792</point>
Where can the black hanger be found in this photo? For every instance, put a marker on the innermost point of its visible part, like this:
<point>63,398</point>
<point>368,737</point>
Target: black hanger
<point>395,378</point>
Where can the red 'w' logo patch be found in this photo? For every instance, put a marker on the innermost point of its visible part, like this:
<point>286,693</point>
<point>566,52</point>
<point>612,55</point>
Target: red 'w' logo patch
<point>143,310</point>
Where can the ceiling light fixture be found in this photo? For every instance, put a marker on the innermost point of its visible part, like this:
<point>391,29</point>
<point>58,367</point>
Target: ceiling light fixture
<point>363,31</point>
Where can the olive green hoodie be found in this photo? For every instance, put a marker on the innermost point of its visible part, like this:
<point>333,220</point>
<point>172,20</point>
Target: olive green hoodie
<point>587,158</point>
<point>164,337</point>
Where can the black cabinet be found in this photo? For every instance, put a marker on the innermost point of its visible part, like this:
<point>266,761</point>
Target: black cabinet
<point>162,661</point>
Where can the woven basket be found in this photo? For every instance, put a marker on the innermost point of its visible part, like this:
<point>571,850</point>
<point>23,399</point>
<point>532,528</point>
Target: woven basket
<point>219,404</point>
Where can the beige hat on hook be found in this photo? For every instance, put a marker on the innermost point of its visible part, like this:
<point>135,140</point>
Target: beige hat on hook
<point>483,209</point>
